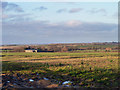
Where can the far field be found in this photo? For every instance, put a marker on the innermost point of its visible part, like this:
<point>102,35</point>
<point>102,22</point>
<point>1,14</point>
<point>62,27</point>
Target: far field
<point>82,69</point>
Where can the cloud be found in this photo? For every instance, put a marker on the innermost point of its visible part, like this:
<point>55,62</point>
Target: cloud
<point>61,10</point>
<point>40,32</point>
<point>16,18</point>
<point>11,7</point>
<point>75,10</point>
<point>41,8</point>
<point>73,23</point>
<point>94,10</point>
<point>4,4</point>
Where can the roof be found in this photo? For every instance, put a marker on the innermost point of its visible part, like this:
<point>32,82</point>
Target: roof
<point>30,49</point>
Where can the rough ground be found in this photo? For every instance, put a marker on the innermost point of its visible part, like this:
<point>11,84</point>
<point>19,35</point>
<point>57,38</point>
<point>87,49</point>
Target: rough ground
<point>24,81</point>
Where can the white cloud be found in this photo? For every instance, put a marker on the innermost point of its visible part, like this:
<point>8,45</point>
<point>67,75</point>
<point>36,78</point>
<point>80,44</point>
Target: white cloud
<point>73,23</point>
<point>46,32</point>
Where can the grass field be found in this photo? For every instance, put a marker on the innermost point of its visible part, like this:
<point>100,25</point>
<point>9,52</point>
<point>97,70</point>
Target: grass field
<point>94,69</point>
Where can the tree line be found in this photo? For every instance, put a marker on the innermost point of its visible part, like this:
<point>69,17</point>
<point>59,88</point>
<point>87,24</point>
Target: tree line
<point>58,48</point>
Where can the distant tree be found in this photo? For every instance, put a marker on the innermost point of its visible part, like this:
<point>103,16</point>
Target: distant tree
<point>50,48</point>
<point>27,47</point>
<point>64,49</point>
<point>56,49</point>
<point>43,48</point>
<point>20,49</point>
<point>95,48</point>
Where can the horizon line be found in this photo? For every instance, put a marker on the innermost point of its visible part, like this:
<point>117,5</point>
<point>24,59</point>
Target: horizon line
<point>58,43</point>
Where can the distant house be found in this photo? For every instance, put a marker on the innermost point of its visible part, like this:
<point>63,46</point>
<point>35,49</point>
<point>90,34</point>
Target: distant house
<point>108,49</point>
<point>31,50</point>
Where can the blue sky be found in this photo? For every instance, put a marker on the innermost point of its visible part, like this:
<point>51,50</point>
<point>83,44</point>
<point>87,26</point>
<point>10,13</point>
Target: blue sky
<point>42,22</point>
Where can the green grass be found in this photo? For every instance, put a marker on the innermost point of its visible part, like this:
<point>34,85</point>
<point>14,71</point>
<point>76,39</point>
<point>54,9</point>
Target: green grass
<point>58,54</point>
<point>95,69</point>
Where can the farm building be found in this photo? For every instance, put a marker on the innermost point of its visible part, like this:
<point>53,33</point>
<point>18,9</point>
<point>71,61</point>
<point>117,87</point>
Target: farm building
<point>31,50</point>
<point>108,49</point>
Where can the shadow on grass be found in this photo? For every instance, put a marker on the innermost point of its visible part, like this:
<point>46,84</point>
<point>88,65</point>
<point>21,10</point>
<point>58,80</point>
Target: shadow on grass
<point>84,78</point>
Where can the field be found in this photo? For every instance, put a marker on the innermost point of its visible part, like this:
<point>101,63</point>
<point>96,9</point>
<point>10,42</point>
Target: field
<point>60,69</point>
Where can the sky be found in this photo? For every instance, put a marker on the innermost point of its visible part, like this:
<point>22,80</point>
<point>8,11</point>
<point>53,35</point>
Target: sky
<point>59,22</point>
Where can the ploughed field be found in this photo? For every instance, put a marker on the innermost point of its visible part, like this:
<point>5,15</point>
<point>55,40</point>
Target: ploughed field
<point>58,70</point>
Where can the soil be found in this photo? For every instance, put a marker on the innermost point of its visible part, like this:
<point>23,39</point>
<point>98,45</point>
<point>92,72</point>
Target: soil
<point>26,81</point>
